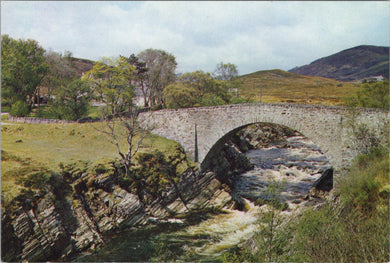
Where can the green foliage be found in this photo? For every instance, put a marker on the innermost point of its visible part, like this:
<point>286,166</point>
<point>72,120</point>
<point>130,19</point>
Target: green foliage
<point>365,190</point>
<point>319,237</point>
<point>196,89</point>
<point>37,181</point>
<point>271,241</point>
<point>371,95</point>
<point>111,83</point>
<point>73,171</point>
<point>211,100</point>
<point>179,95</point>
<point>325,235</point>
<point>72,101</point>
<point>23,67</point>
<point>20,109</point>
<point>60,72</point>
<point>140,76</point>
<point>154,173</point>
<point>365,138</point>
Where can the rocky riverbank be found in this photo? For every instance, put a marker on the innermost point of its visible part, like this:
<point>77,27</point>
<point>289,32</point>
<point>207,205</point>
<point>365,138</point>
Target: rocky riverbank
<point>71,212</point>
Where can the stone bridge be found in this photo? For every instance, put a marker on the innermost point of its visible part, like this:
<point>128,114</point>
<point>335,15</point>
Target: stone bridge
<point>199,129</point>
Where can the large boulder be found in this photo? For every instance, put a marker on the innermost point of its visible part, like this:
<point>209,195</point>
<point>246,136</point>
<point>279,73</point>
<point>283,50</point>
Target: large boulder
<point>323,185</point>
<point>325,182</point>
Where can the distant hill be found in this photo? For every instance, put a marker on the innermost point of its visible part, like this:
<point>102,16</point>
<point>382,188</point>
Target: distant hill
<point>81,65</point>
<point>277,86</point>
<point>350,65</point>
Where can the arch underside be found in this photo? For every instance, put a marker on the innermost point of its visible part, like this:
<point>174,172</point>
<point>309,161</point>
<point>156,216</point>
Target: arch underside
<point>217,146</point>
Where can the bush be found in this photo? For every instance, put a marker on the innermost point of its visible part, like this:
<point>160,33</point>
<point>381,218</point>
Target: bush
<point>72,101</point>
<point>373,95</point>
<point>20,109</point>
<point>211,100</point>
<point>363,190</point>
<point>325,235</point>
<point>358,229</point>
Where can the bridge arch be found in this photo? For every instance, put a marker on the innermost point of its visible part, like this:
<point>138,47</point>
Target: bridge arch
<point>217,147</point>
<point>198,129</point>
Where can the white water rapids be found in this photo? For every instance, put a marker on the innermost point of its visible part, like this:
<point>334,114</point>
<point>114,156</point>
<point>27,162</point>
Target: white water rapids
<point>296,164</point>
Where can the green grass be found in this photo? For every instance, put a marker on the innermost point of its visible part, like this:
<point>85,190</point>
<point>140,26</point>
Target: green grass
<point>4,117</point>
<point>5,108</point>
<point>34,146</point>
<point>279,86</point>
<point>44,112</point>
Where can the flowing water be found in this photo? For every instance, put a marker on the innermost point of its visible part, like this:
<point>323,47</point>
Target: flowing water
<point>295,165</point>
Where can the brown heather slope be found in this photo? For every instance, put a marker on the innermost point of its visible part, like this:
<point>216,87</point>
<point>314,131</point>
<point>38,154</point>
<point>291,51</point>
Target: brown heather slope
<point>282,86</point>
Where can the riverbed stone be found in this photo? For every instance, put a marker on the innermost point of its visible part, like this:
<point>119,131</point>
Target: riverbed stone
<point>325,182</point>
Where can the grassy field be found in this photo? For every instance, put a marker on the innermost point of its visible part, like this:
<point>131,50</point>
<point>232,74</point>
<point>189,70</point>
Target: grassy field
<point>278,86</point>
<point>32,147</point>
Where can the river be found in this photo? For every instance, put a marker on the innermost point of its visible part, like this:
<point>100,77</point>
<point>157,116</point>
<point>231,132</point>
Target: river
<point>294,165</point>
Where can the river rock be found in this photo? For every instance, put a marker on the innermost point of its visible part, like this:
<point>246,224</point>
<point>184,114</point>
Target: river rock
<point>325,182</point>
<point>323,185</point>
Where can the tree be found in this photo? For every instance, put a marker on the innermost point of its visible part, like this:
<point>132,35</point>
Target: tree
<point>23,68</point>
<point>112,84</point>
<point>179,95</point>
<point>60,71</point>
<point>371,95</point>
<point>196,89</point>
<point>140,76</point>
<point>161,72</point>
<point>71,102</point>
<point>226,71</point>
<point>201,81</point>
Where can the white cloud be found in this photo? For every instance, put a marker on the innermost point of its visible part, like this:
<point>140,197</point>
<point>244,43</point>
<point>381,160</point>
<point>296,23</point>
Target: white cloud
<point>252,35</point>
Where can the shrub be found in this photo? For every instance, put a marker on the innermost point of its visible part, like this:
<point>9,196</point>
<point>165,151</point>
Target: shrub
<point>362,190</point>
<point>211,100</point>
<point>20,109</point>
<point>373,95</point>
<point>72,101</point>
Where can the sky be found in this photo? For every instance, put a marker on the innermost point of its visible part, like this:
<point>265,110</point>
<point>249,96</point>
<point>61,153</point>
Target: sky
<point>254,35</point>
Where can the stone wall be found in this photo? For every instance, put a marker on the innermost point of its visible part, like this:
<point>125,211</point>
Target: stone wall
<point>35,120</point>
<point>198,129</point>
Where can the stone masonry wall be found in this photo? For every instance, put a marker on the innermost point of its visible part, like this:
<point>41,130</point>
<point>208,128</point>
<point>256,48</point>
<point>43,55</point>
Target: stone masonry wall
<point>324,125</point>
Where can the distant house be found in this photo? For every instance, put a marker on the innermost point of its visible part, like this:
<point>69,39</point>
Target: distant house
<point>373,79</point>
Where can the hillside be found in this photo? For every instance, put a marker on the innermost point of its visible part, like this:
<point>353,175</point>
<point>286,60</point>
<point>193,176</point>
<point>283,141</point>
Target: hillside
<point>81,65</point>
<point>350,65</point>
<point>282,86</point>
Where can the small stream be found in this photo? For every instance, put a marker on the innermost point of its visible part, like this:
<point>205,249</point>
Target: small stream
<point>295,165</point>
